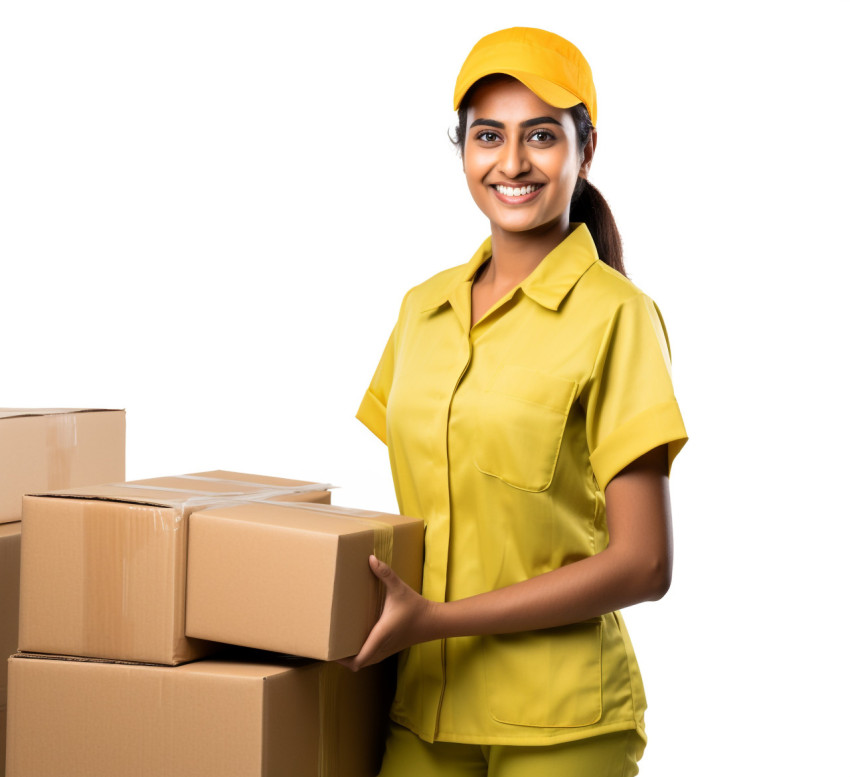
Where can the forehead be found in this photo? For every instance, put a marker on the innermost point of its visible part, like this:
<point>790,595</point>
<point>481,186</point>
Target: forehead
<point>507,100</point>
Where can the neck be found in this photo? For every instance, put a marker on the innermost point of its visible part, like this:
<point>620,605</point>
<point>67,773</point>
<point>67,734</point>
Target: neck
<point>516,254</point>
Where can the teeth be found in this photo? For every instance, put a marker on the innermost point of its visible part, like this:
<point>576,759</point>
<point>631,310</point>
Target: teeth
<point>512,191</point>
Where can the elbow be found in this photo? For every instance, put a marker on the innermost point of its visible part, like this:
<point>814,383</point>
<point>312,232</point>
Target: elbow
<point>646,578</point>
<point>658,577</point>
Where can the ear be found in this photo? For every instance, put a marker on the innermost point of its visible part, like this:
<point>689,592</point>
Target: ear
<point>589,151</point>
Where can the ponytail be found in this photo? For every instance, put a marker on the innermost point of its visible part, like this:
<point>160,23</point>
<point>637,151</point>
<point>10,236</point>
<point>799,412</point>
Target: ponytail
<point>588,204</point>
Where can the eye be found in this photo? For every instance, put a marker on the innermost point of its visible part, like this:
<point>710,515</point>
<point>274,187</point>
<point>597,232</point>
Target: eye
<point>487,136</point>
<point>541,136</point>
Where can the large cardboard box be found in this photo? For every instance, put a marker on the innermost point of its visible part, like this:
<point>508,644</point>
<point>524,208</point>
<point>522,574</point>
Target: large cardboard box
<point>10,569</point>
<point>103,569</point>
<point>44,449</point>
<point>294,579</point>
<point>211,718</point>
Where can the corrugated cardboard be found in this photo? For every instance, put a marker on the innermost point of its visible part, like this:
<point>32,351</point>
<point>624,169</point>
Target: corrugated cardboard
<point>48,448</point>
<point>103,569</point>
<point>10,569</point>
<point>211,718</point>
<point>293,579</point>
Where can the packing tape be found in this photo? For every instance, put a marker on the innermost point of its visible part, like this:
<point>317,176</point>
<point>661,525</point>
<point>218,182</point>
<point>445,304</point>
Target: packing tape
<point>203,478</point>
<point>383,532</point>
<point>61,442</point>
<point>265,491</point>
<point>196,498</point>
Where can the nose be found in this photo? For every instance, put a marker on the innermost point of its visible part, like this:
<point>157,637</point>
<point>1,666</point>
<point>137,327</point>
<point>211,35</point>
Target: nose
<point>513,161</point>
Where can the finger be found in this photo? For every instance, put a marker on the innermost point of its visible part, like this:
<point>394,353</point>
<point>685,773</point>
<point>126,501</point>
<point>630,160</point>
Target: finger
<point>380,568</point>
<point>366,656</point>
<point>384,572</point>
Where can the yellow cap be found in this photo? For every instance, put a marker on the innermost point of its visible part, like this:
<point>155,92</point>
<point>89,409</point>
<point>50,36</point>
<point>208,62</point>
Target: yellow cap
<point>549,65</point>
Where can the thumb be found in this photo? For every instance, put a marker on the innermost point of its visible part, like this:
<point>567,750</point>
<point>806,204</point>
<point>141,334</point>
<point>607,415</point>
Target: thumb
<point>381,569</point>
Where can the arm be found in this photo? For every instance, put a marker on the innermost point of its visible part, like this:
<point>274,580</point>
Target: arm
<point>635,567</point>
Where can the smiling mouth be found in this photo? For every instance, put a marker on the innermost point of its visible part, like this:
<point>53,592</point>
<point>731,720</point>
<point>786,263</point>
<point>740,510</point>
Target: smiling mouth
<point>517,191</point>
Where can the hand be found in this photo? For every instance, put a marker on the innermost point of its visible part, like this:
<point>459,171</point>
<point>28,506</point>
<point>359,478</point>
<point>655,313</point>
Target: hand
<point>407,618</point>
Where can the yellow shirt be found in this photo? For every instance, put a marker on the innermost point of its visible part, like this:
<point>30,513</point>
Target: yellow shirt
<point>502,438</point>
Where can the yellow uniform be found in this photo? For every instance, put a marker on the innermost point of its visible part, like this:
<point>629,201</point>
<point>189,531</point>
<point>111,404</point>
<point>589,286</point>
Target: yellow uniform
<point>503,437</point>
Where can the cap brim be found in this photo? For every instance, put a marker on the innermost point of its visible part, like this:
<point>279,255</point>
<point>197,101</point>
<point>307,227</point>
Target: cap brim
<point>555,95</point>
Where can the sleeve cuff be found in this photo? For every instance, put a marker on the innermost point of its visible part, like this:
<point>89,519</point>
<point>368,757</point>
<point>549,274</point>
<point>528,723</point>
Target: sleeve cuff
<point>373,415</point>
<point>653,427</point>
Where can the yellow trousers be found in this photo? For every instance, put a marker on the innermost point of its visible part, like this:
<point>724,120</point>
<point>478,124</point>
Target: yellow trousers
<point>607,755</point>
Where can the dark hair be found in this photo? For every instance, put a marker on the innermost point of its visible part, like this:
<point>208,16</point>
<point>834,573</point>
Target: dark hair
<point>587,204</point>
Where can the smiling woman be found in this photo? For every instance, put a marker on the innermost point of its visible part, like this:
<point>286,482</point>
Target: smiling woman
<point>527,404</point>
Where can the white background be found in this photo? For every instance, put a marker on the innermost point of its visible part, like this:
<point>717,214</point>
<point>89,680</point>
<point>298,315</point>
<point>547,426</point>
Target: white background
<point>209,213</point>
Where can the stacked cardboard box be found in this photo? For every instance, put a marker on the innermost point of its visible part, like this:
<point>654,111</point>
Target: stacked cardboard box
<point>121,596</point>
<point>219,717</point>
<point>294,578</point>
<point>40,449</point>
<point>56,448</point>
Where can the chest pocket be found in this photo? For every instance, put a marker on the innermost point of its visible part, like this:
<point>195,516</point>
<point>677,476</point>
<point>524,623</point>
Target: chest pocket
<point>520,426</point>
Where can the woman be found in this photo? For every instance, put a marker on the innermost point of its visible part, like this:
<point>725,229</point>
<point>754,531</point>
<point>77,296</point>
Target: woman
<point>526,401</point>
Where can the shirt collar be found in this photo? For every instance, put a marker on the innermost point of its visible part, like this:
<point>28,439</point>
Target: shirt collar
<point>547,284</point>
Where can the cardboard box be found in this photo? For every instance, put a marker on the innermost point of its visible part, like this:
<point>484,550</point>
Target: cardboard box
<point>103,569</point>
<point>294,579</point>
<point>44,449</point>
<point>211,718</point>
<point>10,570</point>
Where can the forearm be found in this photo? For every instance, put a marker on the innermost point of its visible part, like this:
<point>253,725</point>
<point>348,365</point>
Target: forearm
<point>635,567</point>
<point>576,592</point>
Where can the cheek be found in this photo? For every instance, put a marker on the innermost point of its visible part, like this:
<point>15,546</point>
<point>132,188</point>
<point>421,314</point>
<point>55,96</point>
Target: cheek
<point>567,179</point>
<point>475,172</point>
<point>568,186</point>
<point>472,167</point>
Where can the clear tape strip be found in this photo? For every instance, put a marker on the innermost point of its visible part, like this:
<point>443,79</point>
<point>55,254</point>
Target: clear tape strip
<point>61,445</point>
<point>195,499</point>
<point>382,532</point>
<point>265,497</point>
<point>148,487</point>
<point>265,489</point>
<point>203,478</point>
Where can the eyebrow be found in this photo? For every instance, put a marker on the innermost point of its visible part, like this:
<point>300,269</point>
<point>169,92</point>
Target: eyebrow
<point>523,125</point>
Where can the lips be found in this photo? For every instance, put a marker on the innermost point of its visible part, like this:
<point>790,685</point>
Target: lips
<point>516,195</point>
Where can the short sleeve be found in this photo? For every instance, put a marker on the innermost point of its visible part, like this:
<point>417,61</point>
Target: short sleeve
<point>629,402</point>
<point>373,408</point>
